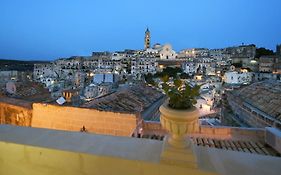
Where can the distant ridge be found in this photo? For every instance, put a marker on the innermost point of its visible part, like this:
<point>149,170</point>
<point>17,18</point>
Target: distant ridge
<point>15,60</point>
<point>18,65</point>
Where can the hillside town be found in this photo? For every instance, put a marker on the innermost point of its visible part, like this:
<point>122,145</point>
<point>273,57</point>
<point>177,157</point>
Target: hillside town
<point>140,87</point>
<point>130,81</point>
<point>183,110</point>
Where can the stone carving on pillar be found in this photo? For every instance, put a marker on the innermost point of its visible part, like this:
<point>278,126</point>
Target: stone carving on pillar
<point>177,148</point>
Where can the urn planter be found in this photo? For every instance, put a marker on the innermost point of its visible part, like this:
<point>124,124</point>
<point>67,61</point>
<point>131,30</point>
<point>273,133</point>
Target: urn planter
<point>179,123</point>
<point>177,149</point>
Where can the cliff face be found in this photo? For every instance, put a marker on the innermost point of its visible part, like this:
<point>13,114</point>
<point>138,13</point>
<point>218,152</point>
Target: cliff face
<point>15,115</point>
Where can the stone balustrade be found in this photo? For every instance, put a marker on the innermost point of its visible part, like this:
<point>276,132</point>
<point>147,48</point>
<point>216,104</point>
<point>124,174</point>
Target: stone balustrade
<point>33,151</point>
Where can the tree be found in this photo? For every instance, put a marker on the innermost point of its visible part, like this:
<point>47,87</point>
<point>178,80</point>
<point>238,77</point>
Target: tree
<point>184,76</point>
<point>263,52</point>
<point>165,78</point>
<point>149,79</point>
<point>237,65</point>
<point>178,83</point>
<point>172,72</point>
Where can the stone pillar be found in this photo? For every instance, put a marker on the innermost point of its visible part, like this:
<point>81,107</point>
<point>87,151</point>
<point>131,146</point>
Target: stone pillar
<point>177,147</point>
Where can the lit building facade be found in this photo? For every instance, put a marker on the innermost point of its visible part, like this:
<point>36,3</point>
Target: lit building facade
<point>143,65</point>
<point>234,77</point>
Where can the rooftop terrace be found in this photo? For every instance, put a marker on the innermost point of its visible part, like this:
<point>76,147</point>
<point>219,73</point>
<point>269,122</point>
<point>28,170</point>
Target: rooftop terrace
<point>25,150</point>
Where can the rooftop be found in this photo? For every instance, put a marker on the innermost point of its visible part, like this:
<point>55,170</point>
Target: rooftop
<point>31,92</point>
<point>266,96</point>
<point>133,99</point>
<point>236,145</point>
<point>249,140</point>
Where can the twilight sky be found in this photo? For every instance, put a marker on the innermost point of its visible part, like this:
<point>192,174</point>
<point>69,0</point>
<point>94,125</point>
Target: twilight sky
<point>48,29</point>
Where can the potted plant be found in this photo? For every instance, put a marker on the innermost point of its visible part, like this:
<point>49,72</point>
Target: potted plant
<point>178,115</point>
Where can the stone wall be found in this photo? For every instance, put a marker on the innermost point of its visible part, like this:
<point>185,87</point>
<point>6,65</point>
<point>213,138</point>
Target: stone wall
<point>150,128</point>
<point>15,114</point>
<point>221,132</point>
<point>74,118</point>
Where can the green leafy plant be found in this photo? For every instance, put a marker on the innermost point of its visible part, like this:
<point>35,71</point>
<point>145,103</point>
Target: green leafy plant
<point>181,96</point>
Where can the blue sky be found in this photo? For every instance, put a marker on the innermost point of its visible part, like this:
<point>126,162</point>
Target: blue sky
<point>48,29</point>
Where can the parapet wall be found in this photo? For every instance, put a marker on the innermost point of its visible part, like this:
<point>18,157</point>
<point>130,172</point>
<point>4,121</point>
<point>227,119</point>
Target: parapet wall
<point>74,118</point>
<point>73,153</point>
<point>150,128</point>
<point>222,132</point>
<point>232,132</point>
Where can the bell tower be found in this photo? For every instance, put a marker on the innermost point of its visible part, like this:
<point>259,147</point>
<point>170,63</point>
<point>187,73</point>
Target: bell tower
<point>147,39</point>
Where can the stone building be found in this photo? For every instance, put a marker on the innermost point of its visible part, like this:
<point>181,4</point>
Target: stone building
<point>261,76</point>
<point>167,53</point>
<point>189,68</point>
<point>238,78</point>
<point>242,51</point>
<point>91,91</point>
<point>216,54</point>
<point>161,52</point>
<point>43,70</point>
<point>242,54</point>
<point>270,64</point>
<point>194,53</point>
<point>105,78</point>
<point>6,76</point>
<point>143,65</point>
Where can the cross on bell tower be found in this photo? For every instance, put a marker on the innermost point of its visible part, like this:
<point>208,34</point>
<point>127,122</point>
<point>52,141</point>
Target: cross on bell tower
<point>147,39</point>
